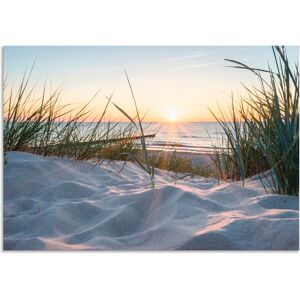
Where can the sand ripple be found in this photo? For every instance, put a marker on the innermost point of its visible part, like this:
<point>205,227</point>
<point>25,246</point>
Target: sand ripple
<point>59,204</point>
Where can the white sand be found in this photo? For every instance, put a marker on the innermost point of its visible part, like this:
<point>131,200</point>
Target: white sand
<point>52,203</point>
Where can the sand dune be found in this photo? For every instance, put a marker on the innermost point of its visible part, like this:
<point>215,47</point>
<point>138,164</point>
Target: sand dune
<point>60,204</point>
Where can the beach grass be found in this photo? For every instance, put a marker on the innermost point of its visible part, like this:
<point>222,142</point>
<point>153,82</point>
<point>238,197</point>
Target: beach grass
<point>43,126</point>
<point>179,164</point>
<point>263,131</point>
<point>143,162</point>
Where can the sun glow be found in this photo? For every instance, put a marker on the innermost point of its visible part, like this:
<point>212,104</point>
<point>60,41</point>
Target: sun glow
<point>172,115</point>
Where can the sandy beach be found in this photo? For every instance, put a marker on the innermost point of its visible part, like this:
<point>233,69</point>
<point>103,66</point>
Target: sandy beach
<point>59,204</point>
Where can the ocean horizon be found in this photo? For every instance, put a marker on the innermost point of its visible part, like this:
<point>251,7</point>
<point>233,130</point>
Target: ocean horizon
<point>184,136</point>
<point>194,137</point>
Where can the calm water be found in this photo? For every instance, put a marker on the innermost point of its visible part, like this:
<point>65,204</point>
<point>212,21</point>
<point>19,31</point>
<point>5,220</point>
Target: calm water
<point>191,137</point>
<point>187,137</point>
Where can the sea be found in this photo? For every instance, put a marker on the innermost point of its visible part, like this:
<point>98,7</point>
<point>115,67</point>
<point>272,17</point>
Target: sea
<point>199,137</point>
<point>196,137</point>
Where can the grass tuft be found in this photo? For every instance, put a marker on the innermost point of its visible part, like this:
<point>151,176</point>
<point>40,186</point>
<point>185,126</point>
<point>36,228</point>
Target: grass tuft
<point>43,126</point>
<point>264,129</point>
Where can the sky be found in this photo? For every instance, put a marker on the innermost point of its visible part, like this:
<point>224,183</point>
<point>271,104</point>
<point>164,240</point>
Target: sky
<point>170,83</point>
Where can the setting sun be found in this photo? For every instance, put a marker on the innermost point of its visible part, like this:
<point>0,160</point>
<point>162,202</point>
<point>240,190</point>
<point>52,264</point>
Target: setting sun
<point>172,115</point>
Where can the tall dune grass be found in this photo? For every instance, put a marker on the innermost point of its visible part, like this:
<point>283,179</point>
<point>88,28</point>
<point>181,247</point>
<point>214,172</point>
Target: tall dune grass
<point>42,125</point>
<point>144,163</point>
<point>264,129</point>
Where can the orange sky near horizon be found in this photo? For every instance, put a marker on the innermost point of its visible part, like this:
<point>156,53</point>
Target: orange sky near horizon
<point>171,84</point>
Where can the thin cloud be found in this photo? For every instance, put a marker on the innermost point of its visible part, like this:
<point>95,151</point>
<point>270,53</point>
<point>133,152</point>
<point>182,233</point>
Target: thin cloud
<point>194,55</point>
<point>197,65</point>
<point>219,62</point>
<point>84,70</point>
<point>235,49</point>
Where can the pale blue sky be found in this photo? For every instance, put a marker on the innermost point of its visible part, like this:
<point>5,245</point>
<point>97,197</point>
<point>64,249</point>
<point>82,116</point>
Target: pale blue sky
<point>175,78</point>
